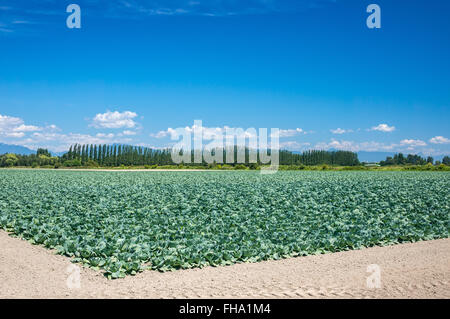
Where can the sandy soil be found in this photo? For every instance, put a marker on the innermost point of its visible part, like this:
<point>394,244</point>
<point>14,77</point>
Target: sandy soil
<point>418,270</point>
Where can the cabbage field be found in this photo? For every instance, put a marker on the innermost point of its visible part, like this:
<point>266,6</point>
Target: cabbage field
<point>125,222</point>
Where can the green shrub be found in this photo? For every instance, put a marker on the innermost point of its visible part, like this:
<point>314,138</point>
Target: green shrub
<point>355,168</point>
<point>443,167</point>
<point>92,163</point>
<point>73,163</point>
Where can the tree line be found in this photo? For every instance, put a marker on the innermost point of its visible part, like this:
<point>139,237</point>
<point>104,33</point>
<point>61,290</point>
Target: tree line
<point>127,155</point>
<point>412,159</point>
<point>319,157</point>
<point>115,155</point>
<point>41,158</point>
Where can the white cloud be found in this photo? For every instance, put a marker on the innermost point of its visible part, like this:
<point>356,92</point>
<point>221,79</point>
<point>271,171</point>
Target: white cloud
<point>26,128</point>
<point>413,143</point>
<point>129,133</point>
<point>53,128</point>
<point>439,140</point>
<point>208,133</point>
<point>339,145</point>
<point>340,131</point>
<point>290,132</point>
<point>9,122</point>
<point>15,131</point>
<point>405,145</point>
<point>160,134</point>
<point>61,142</point>
<point>293,145</point>
<point>383,128</point>
<point>170,132</point>
<point>14,134</point>
<point>15,127</point>
<point>113,120</point>
<point>104,135</point>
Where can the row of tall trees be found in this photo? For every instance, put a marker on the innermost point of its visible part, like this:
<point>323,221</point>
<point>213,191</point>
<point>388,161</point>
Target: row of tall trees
<point>117,155</point>
<point>318,157</point>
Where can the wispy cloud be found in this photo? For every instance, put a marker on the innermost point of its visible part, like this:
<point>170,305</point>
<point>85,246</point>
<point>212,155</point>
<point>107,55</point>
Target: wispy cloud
<point>290,132</point>
<point>21,22</point>
<point>26,128</point>
<point>412,142</point>
<point>129,133</point>
<point>4,28</point>
<point>17,14</point>
<point>340,131</point>
<point>127,8</point>
<point>383,128</point>
<point>213,7</point>
<point>440,140</point>
<point>294,145</point>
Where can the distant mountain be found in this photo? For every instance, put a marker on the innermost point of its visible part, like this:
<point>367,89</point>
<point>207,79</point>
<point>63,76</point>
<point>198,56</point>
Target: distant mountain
<point>57,153</point>
<point>16,149</point>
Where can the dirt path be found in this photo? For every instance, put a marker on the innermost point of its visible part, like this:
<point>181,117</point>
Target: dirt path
<point>419,270</point>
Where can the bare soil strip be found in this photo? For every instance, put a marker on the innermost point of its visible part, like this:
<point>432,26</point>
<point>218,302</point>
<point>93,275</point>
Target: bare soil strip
<point>417,270</point>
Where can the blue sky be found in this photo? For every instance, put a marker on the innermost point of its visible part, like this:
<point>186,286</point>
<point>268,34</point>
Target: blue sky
<point>137,69</point>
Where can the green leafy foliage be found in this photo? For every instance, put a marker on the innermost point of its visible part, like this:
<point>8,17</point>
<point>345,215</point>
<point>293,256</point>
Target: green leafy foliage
<point>125,222</point>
